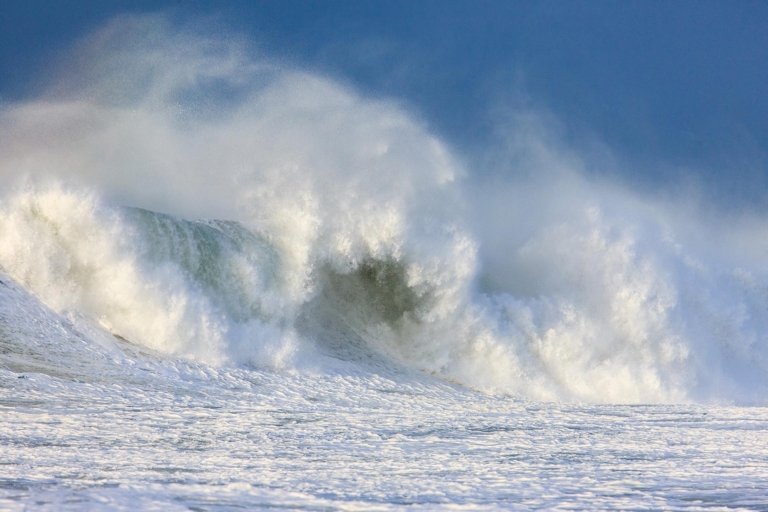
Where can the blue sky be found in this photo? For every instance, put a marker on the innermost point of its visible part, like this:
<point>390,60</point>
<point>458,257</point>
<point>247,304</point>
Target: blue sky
<point>668,87</point>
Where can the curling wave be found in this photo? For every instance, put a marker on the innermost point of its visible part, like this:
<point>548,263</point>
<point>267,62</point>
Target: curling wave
<point>346,229</point>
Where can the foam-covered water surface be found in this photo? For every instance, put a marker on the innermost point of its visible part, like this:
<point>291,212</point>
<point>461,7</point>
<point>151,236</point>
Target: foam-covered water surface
<point>105,426</point>
<point>228,283</point>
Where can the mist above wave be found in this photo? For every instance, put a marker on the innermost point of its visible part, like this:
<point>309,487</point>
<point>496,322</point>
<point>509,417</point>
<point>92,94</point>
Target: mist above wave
<point>339,225</point>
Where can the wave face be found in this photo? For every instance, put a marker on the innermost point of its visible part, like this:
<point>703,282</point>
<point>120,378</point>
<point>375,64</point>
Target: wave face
<point>339,227</point>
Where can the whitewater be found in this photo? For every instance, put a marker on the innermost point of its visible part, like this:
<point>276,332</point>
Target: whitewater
<point>229,283</point>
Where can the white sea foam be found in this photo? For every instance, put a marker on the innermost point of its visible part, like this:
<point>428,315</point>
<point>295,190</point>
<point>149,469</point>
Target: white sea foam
<point>345,228</point>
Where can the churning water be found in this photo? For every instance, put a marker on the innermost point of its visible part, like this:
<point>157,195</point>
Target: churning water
<point>227,284</point>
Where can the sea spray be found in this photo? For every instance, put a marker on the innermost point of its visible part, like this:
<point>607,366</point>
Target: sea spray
<point>199,202</point>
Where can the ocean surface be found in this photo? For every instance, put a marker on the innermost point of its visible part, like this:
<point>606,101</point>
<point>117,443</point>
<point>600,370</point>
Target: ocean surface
<point>91,423</point>
<point>226,283</point>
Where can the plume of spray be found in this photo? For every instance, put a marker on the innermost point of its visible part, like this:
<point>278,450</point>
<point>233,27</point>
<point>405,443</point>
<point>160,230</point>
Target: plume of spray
<point>623,296</point>
<point>189,125</point>
<point>334,219</point>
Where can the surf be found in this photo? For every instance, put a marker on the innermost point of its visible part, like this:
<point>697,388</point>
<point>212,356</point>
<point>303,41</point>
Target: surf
<point>174,191</point>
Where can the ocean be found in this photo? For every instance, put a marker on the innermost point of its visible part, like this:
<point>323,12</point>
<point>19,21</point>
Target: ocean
<point>227,283</point>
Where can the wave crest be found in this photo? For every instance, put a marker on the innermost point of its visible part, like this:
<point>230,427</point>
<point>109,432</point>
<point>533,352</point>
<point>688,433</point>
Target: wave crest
<point>338,225</point>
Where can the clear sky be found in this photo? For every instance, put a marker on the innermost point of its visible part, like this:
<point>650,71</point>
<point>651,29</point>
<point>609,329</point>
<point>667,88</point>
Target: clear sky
<point>668,87</point>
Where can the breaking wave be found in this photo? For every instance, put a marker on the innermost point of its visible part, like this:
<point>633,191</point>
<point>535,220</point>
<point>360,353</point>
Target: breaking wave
<point>339,226</point>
